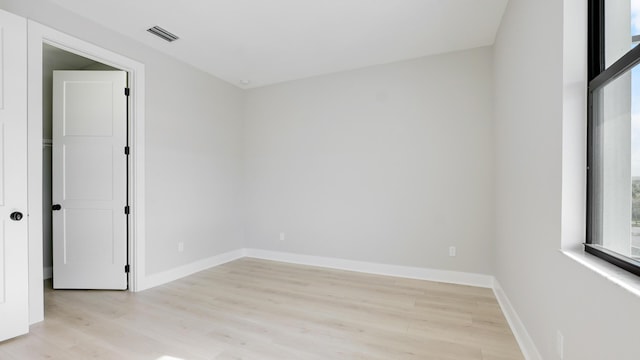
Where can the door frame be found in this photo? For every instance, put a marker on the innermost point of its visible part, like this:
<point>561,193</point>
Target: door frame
<point>37,35</point>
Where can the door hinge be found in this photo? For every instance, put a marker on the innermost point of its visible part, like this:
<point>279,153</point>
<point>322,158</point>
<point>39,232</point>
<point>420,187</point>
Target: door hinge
<point>127,210</point>
<point>127,91</point>
<point>127,268</point>
<point>127,150</point>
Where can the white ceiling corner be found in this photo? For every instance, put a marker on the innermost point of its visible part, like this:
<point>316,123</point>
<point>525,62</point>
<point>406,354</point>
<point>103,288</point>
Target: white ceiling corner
<point>274,41</point>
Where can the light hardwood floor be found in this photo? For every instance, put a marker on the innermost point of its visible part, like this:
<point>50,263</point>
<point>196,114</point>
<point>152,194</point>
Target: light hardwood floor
<point>257,309</point>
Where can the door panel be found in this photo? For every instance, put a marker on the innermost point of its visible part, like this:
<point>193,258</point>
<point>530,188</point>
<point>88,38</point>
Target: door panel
<point>82,250</point>
<point>90,118</point>
<point>89,180</point>
<point>94,164</point>
<point>14,271</point>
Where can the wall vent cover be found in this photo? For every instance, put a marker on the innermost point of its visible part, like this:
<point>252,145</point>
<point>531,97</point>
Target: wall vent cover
<point>162,33</point>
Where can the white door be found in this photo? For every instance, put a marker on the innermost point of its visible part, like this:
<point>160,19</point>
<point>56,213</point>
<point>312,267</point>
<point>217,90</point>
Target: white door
<point>89,180</point>
<point>14,264</point>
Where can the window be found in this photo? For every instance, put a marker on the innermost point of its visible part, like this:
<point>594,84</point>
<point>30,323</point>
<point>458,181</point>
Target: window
<point>613,159</point>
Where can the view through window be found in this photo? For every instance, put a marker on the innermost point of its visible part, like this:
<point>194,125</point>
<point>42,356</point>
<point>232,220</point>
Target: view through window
<point>614,132</point>
<point>635,135</point>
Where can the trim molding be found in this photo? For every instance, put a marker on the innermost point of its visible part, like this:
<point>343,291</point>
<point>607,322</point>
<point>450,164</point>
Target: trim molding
<point>167,276</point>
<point>454,277</point>
<point>527,346</point>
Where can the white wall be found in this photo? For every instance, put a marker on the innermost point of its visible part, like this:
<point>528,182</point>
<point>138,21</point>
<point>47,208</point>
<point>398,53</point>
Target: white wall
<point>389,164</point>
<point>539,62</point>
<point>193,165</point>
<point>193,152</point>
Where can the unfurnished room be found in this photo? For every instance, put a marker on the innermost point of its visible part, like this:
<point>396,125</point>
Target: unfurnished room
<point>297,179</point>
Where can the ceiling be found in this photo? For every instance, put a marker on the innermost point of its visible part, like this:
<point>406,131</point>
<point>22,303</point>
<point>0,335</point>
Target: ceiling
<point>272,41</point>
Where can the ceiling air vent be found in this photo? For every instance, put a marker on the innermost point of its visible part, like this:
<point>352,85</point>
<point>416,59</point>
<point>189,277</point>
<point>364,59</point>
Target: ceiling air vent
<point>162,33</point>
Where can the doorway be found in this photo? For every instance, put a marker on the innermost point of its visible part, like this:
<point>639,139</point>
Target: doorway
<point>40,36</point>
<point>84,172</point>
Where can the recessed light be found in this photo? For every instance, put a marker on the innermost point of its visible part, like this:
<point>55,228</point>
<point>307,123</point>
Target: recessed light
<point>245,82</point>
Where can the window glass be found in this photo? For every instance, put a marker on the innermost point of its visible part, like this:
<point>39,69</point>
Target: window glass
<point>622,28</point>
<point>635,160</point>
<point>616,165</point>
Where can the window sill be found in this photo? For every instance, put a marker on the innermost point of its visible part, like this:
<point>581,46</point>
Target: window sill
<point>616,275</point>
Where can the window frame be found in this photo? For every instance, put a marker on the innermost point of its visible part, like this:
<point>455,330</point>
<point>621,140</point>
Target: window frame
<point>598,77</point>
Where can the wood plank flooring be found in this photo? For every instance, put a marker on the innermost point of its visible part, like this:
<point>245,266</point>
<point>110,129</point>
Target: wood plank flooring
<point>263,310</point>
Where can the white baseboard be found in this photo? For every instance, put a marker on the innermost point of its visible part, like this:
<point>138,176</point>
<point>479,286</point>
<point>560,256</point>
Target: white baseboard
<point>192,268</point>
<point>527,346</point>
<point>454,277</point>
<point>47,272</point>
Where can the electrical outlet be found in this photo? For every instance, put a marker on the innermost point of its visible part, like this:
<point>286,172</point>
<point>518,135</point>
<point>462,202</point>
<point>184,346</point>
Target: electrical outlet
<point>452,251</point>
<point>180,246</point>
<point>560,345</point>
<point>281,236</point>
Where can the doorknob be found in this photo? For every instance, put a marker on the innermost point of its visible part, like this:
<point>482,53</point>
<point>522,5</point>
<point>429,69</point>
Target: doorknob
<point>16,216</point>
<point>56,207</point>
